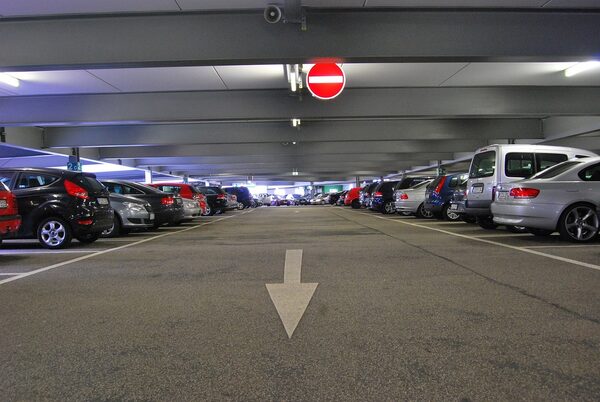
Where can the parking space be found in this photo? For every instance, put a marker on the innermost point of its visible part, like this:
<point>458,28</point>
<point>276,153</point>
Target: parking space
<point>398,305</point>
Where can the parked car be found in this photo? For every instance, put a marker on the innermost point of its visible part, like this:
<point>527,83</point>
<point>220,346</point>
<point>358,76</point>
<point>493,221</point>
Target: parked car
<point>130,213</point>
<point>411,181</point>
<point>506,163</point>
<point>191,210</point>
<point>318,199</point>
<point>439,193</point>
<point>382,198</point>
<point>10,220</point>
<point>457,203</point>
<point>411,201</point>
<point>216,199</point>
<point>353,198</point>
<point>184,190</point>
<point>563,198</point>
<point>265,199</point>
<point>365,196</point>
<point>58,205</point>
<point>243,195</point>
<point>341,198</point>
<point>281,200</point>
<point>332,198</point>
<point>232,202</point>
<point>167,208</point>
<point>300,200</point>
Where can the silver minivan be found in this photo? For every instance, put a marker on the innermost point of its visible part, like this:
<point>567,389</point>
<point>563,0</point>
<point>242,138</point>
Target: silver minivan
<point>506,163</point>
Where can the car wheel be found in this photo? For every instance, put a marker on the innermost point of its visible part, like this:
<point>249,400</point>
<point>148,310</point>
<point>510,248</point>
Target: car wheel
<point>88,238</point>
<point>540,232</point>
<point>449,214</point>
<point>516,229</point>
<point>115,229</point>
<point>486,222</point>
<point>54,233</point>
<point>579,224</point>
<point>208,211</point>
<point>240,206</point>
<point>423,213</point>
<point>389,208</point>
<point>355,204</point>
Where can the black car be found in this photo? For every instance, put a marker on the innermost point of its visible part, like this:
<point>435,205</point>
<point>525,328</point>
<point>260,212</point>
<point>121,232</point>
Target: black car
<point>216,199</point>
<point>168,209</point>
<point>58,205</point>
<point>243,195</point>
<point>300,200</point>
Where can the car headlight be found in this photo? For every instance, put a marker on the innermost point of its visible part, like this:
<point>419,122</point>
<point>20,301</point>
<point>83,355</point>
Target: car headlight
<point>134,206</point>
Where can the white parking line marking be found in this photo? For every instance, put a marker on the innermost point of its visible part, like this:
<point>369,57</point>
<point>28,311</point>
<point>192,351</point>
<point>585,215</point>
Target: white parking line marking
<point>485,236</point>
<point>566,246</point>
<point>35,251</point>
<point>110,250</point>
<point>494,243</point>
<point>10,273</point>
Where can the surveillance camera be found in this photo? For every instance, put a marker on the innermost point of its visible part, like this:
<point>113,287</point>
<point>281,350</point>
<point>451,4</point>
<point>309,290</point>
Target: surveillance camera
<point>272,14</point>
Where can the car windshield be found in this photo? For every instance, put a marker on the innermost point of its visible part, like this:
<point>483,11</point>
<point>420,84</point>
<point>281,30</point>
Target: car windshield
<point>483,165</point>
<point>556,170</point>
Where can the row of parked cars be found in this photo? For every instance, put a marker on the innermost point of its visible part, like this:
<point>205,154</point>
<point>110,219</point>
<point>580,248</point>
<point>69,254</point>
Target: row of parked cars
<point>526,188</point>
<point>56,206</point>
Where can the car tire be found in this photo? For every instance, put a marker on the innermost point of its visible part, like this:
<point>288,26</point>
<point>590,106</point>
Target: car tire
<point>54,233</point>
<point>449,215</point>
<point>88,238</point>
<point>423,213</point>
<point>486,222</point>
<point>208,211</point>
<point>115,230</point>
<point>540,232</point>
<point>388,208</point>
<point>579,223</point>
<point>355,204</point>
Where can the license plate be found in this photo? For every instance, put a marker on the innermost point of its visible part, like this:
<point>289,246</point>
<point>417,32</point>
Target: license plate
<point>151,216</point>
<point>478,189</point>
<point>3,204</point>
<point>179,201</point>
<point>103,201</point>
<point>454,207</point>
<point>502,195</point>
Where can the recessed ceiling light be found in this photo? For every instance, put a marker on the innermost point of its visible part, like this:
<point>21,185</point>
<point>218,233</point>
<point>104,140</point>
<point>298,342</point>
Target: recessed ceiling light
<point>581,67</point>
<point>9,80</point>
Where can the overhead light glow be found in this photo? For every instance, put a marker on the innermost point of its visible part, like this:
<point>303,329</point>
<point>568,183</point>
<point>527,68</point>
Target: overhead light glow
<point>296,122</point>
<point>9,80</point>
<point>581,67</point>
<point>295,172</point>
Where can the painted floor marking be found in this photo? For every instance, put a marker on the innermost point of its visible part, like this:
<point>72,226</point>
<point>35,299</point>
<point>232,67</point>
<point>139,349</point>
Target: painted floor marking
<point>494,243</point>
<point>110,250</point>
<point>485,236</point>
<point>291,298</point>
<point>566,246</point>
<point>43,251</point>
<point>10,273</point>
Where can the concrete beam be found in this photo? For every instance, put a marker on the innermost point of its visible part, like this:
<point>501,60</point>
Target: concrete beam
<point>268,105</point>
<point>245,38</point>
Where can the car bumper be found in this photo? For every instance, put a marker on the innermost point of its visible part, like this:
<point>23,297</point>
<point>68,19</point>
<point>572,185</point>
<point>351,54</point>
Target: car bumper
<point>168,216</point>
<point>141,219</point>
<point>407,206</point>
<point>9,224</point>
<point>100,221</point>
<point>529,215</point>
<point>478,208</point>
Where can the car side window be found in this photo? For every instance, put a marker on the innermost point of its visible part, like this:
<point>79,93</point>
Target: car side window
<point>519,164</point>
<point>32,180</point>
<point>131,191</point>
<point>453,182</point>
<point>114,188</point>
<point>591,173</point>
<point>544,161</point>
<point>6,178</point>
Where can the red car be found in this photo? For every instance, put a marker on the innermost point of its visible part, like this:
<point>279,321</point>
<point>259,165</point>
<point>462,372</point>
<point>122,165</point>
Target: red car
<point>352,198</point>
<point>10,221</point>
<point>184,191</point>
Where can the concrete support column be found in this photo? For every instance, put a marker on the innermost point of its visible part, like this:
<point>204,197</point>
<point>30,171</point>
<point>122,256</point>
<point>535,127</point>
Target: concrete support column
<point>148,175</point>
<point>357,181</point>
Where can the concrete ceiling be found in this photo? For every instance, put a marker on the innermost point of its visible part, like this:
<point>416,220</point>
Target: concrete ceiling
<point>423,85</point>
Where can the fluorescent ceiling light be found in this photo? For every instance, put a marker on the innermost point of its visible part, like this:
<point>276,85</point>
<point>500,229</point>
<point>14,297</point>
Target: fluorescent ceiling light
<point>296,122</point>
<point>581,67</point>
<point>9,80</point>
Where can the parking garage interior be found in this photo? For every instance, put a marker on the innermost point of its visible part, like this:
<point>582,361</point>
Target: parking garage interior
<point>286,300</point>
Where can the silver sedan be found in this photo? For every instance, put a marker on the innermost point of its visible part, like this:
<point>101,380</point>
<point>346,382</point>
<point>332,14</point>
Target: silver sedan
<point>130,213</point>
<point>563,198</point>
<point>191,209</point>
<point>411,200</point>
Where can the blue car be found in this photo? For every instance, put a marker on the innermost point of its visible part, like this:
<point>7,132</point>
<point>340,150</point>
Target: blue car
<point>439,194</point>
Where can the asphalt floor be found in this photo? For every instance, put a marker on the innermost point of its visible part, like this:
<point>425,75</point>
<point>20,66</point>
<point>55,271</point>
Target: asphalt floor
<point>405,309</point>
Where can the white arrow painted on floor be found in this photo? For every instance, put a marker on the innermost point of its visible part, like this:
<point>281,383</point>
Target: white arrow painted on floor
<point>291,297</point>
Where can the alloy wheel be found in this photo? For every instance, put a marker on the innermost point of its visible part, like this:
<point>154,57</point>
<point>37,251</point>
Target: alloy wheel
<point>53,233</point>
<point>581,223</point>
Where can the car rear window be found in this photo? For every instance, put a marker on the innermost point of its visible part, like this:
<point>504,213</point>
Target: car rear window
<point>208,190</point>
<point>483,165</point>
<point>421,184</point>
<point>556,170</point>
<point>90,183</point>
<point>170,189</point>
<point>591,173</point>
<point>32,180</point>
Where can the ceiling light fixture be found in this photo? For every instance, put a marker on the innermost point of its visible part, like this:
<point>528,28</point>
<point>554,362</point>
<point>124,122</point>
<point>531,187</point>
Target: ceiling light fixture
<point>295,172</point>
<point>296,122</point>
<point>9,80</point>
<point>581,67</point>
<point>294,76</point>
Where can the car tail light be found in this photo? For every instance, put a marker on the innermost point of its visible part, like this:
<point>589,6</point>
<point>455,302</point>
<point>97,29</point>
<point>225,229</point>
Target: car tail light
<point>524,192</point>
<point>85,221</point>
<point>221,197</point>
<point>378,194</point>
<point>76,190</point>
<point>404,196</point>
<point>440,185</point>
<point>167,201</point>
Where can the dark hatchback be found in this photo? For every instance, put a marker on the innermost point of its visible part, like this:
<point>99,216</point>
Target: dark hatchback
<point>439,193</point>
<point>58,205</point>
<point>216,199</point>
<point>168,209</point>
<point>243,195</point>
<point>382,198</point>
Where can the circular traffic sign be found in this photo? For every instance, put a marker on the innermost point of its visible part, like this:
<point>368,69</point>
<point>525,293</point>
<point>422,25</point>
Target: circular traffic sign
<point>325,80</point>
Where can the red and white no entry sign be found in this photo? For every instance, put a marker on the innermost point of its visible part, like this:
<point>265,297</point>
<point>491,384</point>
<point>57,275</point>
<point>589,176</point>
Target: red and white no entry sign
<point>325,80</point>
